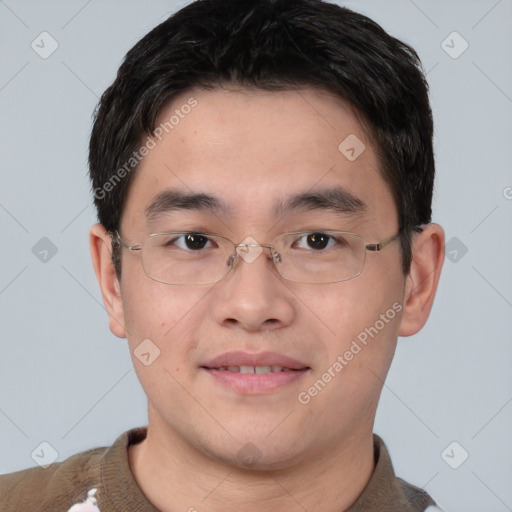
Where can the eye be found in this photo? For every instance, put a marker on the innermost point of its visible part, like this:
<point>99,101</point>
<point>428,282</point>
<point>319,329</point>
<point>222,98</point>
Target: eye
<point>190,242</point>
<point>317,241</point>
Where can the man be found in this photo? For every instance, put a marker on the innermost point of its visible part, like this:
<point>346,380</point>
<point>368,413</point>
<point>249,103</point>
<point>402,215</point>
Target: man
<point>263,175</point>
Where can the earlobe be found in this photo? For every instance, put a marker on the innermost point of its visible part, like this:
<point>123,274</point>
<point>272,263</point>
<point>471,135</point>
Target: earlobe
<point>423,278</point>
<point>100,245</point>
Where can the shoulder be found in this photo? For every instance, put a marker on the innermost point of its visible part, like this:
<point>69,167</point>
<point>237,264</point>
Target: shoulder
<point>53,487</point>
<point>74,482</point>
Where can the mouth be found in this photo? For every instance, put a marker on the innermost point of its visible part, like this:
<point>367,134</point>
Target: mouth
<point>260,370</point>
<point>255,374</point>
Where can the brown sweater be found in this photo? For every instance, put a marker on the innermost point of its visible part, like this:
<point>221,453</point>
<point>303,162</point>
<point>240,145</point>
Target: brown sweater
<point>64,484</point>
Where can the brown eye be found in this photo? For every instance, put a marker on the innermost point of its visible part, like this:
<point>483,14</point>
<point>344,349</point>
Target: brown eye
<point>318,240</point>
<point>195,241</point>
<point>189,242</point>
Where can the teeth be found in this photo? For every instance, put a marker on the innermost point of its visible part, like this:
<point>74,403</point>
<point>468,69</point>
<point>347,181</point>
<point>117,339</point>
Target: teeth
<point>255,369</point>
<point>262,369</point>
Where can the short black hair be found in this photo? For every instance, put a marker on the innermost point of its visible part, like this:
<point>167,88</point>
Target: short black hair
<point>271,45</point>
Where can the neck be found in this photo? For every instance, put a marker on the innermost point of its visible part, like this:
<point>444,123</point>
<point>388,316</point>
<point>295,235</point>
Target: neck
<point>176,476</point>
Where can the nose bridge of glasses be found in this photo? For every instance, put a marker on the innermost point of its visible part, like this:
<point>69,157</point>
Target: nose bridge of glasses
<point>243,244</point>
<point>250,249</point>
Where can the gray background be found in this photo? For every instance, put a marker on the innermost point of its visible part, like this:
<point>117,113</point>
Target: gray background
<point>66,380</point>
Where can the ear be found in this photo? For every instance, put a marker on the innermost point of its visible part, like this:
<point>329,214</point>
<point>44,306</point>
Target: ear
<point>423,278</point>
<point>101,254</point>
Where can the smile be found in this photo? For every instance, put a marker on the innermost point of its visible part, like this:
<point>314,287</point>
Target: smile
<point>260,370</point>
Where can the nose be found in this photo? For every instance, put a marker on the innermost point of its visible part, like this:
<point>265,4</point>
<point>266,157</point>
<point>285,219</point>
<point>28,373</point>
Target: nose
<point>253,295</point>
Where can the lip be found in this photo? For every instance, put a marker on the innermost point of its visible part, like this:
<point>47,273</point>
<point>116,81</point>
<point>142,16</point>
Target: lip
<point>240,358</point>
<point>251,383</point>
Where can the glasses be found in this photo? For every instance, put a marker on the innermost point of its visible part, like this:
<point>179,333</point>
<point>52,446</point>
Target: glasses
<point>314,257</point>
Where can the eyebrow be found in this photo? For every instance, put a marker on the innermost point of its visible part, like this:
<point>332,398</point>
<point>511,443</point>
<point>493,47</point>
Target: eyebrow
<point>337,199</point>
<point>172,200</point>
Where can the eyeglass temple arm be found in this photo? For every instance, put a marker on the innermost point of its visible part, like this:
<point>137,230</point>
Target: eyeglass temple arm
<point>382,244</point>
<point>117,239</point>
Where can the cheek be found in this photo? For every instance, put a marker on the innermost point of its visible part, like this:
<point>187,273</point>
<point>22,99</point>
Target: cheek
<point>360,319</point>
<point>358,354</point>
<point>162,313</point>
<point>343,310</point>
<point>161,321</point>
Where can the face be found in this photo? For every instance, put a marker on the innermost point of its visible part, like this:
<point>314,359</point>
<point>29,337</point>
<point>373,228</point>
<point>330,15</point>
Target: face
<point>251,153</point>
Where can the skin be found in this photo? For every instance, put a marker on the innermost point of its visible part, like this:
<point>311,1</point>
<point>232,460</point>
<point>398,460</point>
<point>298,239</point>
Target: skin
<point>252,149</point>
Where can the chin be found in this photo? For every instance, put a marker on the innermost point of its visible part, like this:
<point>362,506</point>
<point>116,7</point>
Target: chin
<point>256,455</point>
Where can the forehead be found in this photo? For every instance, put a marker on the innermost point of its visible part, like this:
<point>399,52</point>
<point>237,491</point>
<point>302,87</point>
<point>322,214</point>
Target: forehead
<point>253,148</point>
<point>248,123</point>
